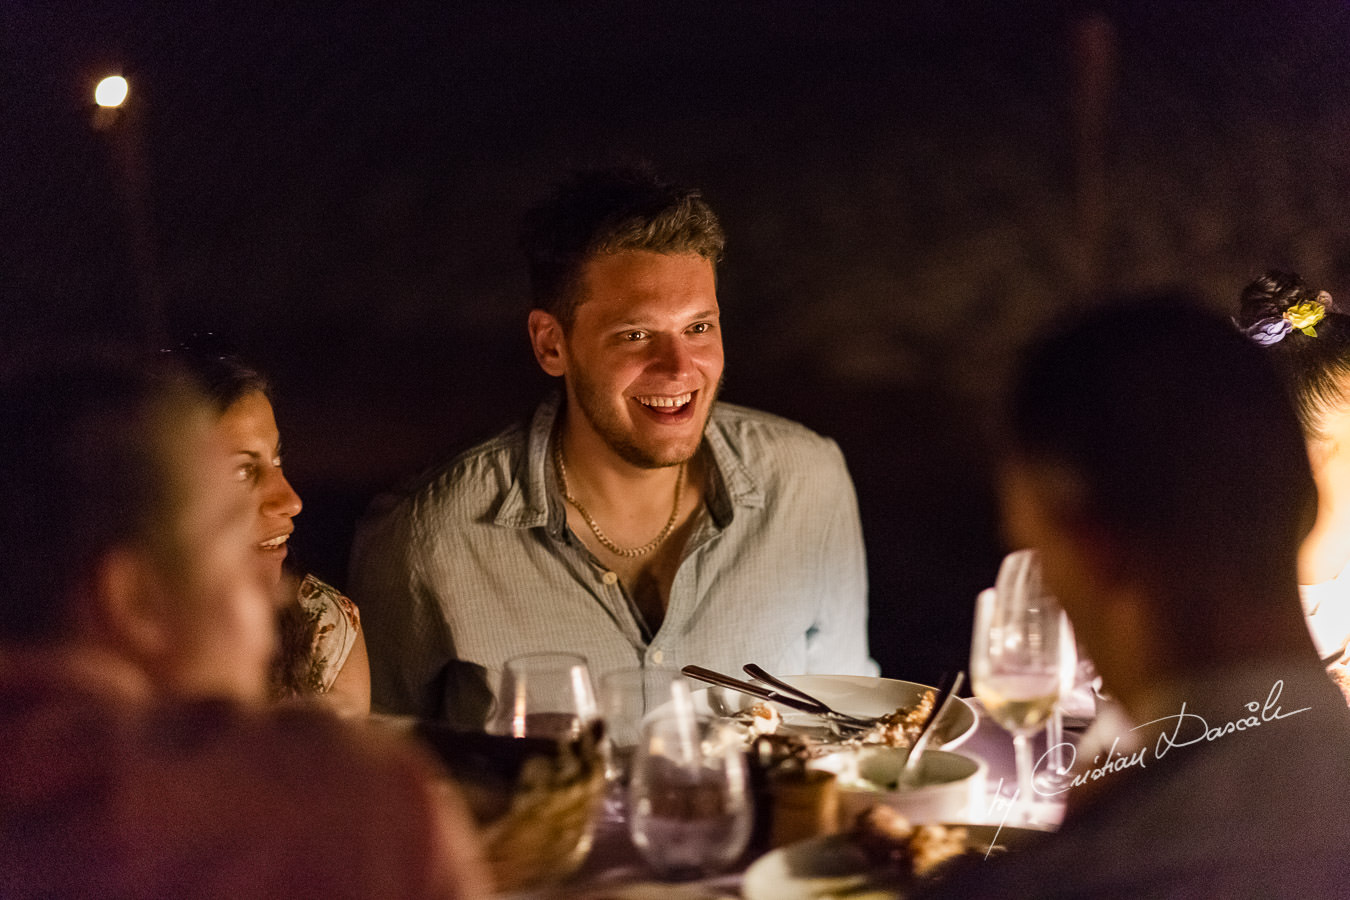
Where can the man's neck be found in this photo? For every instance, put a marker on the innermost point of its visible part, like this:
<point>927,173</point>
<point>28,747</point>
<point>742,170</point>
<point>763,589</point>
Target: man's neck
<point>645,515</point>
<point>607,480</point>
<point>1161,677</point>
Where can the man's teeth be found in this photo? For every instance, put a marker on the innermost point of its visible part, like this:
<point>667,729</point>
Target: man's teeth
<point>661,402</point>
<point>275,542</point>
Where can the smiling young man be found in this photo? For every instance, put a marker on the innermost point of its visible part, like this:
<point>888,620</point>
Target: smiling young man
<point>634,519</point>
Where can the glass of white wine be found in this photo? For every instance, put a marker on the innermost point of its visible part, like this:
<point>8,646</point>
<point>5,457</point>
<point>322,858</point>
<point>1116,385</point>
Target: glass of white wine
<point>1022,656</point>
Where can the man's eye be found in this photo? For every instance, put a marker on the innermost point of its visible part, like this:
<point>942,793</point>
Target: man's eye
<point>276,462</point>
<point>246,472</point>
<point>701,327</point>
<point>635,335</point>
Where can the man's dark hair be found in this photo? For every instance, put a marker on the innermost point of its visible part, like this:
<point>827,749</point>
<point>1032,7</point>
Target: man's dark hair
<point>1176,437</point>
<point>85,439</point>
<point>604,211</point>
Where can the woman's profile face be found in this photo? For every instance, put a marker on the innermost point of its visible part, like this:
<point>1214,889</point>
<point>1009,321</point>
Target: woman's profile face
<point>250,432</point>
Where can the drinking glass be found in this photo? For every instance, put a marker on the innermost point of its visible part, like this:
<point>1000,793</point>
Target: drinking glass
<point>544,829</point>
<point>627,696</point>
<point>689,799</point>
<point>546,695</point>
<point>1077,698</point>
<point>1021,658</point>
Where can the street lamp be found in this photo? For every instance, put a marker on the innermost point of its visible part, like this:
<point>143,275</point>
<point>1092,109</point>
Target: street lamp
<point>111,91</point>
<point>119,121</point>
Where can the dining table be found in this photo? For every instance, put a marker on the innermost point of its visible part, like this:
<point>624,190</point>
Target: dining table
<point>614,870</point>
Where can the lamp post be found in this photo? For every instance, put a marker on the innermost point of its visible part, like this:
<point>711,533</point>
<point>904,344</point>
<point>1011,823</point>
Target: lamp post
<point>111,92</point>
<point>117,115</point>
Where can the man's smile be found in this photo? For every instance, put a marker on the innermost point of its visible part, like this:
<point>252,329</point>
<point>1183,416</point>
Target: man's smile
<point>665,405</point>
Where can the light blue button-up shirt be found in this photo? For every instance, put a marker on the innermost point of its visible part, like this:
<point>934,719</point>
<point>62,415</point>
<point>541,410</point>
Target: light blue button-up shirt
<point>475,564</point>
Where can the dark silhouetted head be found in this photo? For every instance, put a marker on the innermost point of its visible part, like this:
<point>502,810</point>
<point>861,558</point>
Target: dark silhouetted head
<point>1169,432</point>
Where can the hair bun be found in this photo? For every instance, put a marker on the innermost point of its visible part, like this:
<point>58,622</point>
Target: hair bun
<point>1273,294</point>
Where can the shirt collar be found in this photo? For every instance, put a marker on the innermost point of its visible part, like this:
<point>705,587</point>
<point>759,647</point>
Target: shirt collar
<point>534,500</point>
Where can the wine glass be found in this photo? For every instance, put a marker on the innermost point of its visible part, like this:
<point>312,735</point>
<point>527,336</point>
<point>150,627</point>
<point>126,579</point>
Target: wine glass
<point>689,797</point>
<point>546,695</point>
<point>1021,658</point>
<point>546,706</point>
<point>626,697</point>
<point>1078,699</point>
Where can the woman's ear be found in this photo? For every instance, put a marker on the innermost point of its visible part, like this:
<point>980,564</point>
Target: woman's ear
<point>1322,451</point>
<point>549,342</point>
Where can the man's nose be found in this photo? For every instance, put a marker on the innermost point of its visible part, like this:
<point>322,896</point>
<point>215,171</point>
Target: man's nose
<point>671,355</point>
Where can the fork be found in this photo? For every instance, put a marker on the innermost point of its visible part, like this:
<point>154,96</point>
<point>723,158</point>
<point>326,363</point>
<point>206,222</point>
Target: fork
<point>839,722</point>
<point>759,674</point>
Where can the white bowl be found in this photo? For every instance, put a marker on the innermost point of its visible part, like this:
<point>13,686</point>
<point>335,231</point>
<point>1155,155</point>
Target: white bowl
<point>951,786</point>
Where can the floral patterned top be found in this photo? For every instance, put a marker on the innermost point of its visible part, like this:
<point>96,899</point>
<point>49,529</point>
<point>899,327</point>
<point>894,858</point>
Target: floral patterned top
<point>334,625</point>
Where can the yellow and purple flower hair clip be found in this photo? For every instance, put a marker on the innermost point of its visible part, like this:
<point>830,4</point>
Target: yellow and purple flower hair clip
<point>1303,316</point>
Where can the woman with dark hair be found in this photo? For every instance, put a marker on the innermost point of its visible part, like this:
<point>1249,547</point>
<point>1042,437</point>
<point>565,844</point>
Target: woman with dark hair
<point>321,650</point>
<point>1308,339</point>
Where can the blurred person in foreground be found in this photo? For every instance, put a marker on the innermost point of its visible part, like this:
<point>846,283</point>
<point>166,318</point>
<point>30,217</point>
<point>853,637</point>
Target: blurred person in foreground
<point>634,519</point>
<point>1308,339</point>
<point>321,653</point>
<point>135,637</point>
<point>1158,466</point>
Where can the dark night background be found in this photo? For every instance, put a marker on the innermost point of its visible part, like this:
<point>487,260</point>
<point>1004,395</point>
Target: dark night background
<point>909,190</point>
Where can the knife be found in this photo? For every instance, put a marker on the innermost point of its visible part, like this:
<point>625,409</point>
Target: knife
<point>754,690</point>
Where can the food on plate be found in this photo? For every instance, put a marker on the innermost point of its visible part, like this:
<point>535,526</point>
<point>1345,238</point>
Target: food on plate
<point>900,728</point>
<point>764,719</point>
<point>889,839</point>
<point>933,845</point>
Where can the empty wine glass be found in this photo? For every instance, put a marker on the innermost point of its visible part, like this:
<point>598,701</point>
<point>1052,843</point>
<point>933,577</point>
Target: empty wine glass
<point>627,696</point>
<point>689,799</point>
<point>1021,658</point>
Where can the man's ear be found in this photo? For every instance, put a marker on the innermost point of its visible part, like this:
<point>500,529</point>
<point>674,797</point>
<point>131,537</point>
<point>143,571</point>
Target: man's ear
<point>128,607</point>
<point>548,342</point>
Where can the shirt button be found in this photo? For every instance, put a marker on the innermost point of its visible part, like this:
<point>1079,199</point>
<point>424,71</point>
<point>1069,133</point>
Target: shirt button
<point>609,577</point>
<point>658,657</point>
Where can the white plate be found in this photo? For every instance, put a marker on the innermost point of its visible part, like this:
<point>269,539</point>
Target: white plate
<point>834,866</point>
<point>808,870</point>
<point>859,695</point>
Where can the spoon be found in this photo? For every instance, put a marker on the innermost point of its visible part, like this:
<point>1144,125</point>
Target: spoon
<point>910,771</point>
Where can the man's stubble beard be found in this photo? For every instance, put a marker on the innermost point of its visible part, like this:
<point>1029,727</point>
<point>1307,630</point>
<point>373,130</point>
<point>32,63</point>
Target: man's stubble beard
<point>591,405</point>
